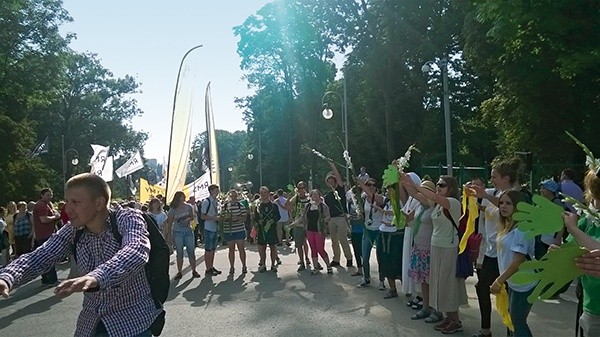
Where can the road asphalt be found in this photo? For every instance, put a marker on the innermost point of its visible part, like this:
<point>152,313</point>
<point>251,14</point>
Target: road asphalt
<point>287,303</point>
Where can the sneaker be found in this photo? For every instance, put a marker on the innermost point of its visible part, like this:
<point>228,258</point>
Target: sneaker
<point>262,269</point>
<point>274,268</point>
<point>301,267</point>
<point>349,264</point>
<point>329,270</point>
<point>381,285</point>
<point>334,264</point>
<point>364,283</point>
<point>391,294</point>
<point>441,326</point>
<point>451,328</point>
<point>210,272</point>
<point>244,270</point>
<point>231,271</point>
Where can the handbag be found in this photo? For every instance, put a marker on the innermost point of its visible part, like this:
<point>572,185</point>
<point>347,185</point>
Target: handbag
<point>464,265</point>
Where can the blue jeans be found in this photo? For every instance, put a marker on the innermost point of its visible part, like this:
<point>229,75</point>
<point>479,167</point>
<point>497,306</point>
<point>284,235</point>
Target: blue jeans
<point>210,240</point>
<point>368,241</point>
<point>184,239</point>
<point>519,308</point>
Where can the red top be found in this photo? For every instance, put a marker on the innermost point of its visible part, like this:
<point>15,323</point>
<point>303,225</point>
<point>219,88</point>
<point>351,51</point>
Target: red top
<point>42,230</point>
<point>64,217</point>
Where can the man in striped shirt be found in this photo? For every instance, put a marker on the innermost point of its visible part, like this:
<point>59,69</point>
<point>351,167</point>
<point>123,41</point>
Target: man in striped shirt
<point>117,299</point>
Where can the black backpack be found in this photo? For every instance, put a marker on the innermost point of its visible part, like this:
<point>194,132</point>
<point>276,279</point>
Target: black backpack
<point>157,267</point>
<point>200,220</point>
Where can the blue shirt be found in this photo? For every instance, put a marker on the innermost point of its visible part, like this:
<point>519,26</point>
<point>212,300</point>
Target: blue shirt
<point>568,187</point>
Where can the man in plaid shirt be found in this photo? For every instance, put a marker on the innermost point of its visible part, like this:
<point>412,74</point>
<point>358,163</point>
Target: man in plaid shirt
<point>117,299</point>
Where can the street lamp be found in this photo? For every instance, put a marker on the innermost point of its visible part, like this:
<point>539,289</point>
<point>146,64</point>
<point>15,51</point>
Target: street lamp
<point>426,69</point>
<point>328,114</point>
<point>74,162</point>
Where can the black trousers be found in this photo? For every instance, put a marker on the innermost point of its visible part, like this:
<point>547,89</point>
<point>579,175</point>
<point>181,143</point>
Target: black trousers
<point>356,240</point>
<point>486,275</point>
<point>49,277</point>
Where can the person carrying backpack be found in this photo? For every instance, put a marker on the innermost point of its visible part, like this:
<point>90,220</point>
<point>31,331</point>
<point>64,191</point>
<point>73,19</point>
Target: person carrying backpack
<point>112,251</point>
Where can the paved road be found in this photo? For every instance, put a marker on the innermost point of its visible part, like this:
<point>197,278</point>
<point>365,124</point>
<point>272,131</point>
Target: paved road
<point>286,303</point>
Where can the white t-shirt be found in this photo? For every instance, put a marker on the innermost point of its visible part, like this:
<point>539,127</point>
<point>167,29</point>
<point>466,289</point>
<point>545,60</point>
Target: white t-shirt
<point>386,219</point>
<point>283,213</point>
<point>491,222</point>
<point>444,234</point>
<point>372,221</point>
<point>510,244</point>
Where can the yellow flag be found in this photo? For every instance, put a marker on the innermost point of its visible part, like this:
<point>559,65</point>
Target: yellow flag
<point>468,202</point>
<point>148,191</point>
<point>502,307</point>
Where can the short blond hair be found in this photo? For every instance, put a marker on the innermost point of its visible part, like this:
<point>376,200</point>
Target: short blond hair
<point>92,183</point>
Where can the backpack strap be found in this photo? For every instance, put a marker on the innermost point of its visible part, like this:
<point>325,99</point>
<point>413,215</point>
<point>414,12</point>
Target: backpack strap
<point>114,227</point>
<point>208,206</point>
<point>449,216</point>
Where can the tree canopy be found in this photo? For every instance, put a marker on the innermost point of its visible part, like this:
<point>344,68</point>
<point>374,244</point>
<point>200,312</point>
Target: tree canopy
<point>520,74</point>
<point>47,90</point>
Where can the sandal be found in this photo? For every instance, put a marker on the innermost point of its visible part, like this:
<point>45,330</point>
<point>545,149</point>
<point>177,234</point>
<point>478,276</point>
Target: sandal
<point>434,317</point>
<point>195,274</point>
<point>391,294</point>
<point>423,313</point>
<point>178,276</point>
<point>417,306</point>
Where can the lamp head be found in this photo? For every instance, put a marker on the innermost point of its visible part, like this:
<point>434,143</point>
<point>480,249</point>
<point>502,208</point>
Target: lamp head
<point>327,113</point>
<point>250,156</point>
<point>75,161</point>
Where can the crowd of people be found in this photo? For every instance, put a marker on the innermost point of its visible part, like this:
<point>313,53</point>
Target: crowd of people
<point>422,253</point>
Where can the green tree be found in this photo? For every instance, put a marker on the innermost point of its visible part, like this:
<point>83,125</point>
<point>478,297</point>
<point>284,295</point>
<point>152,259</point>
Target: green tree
<point>546,67</point>
<point>231,155</point>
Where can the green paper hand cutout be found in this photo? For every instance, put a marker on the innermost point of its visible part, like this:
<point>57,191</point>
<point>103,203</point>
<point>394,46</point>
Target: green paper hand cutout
<point>543,218</point>
<point>390,176</point>
<point>553,271</point>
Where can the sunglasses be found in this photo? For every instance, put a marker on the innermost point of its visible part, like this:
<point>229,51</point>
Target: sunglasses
<point>441,185</point>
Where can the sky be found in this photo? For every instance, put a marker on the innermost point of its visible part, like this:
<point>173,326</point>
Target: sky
<point>147,40</point>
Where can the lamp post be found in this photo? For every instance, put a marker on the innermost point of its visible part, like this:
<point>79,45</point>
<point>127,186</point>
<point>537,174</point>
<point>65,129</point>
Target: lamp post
<point>443,65</point>
<point>251,156</point>
<point>74,162</point>
<point>328,114</point>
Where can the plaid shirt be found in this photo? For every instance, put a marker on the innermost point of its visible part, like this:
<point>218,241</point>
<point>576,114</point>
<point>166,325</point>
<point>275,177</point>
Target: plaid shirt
<point>123,302</point>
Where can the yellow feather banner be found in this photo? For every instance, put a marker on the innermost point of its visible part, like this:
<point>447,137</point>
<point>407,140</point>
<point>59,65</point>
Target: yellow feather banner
<point>468,203</point>
<point>502,307</point>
